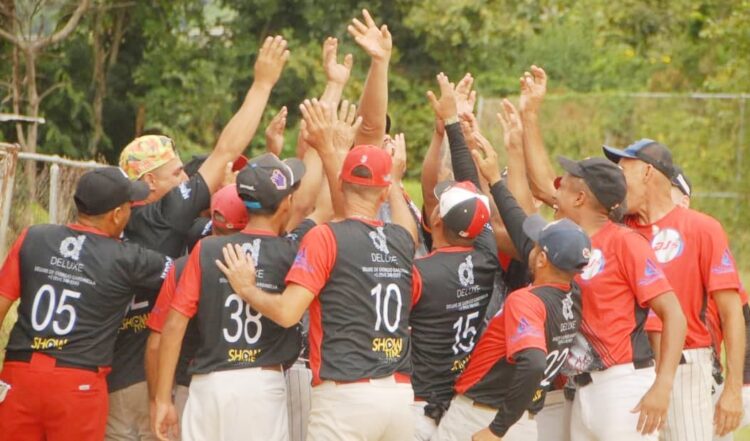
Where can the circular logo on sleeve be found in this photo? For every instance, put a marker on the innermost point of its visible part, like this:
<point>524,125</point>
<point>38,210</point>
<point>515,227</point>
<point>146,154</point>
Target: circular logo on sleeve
<point>595,266</point>
<point>667,245</point>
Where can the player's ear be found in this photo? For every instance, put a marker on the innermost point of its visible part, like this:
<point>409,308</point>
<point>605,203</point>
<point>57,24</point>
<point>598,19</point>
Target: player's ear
<point>542,260</point>
<point>150,179</point>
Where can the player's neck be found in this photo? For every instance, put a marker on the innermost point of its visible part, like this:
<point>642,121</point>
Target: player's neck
<point>263,223</point>
<point>546,277</point>
<point>360,208</point>
<point>658,204</point>
<point>592,221</point>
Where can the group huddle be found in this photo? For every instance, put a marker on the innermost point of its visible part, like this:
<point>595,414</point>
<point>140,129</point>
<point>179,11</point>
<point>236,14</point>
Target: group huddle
<point>311,299</point>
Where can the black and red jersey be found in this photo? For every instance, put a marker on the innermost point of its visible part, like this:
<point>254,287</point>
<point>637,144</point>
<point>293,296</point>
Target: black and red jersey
<point>361,275</point>
<point>74,285</point>
<point>452,288</point>
<point>163,226</point>
<point>158,317</point>
<point>232,335</point>
<point>544,317</point>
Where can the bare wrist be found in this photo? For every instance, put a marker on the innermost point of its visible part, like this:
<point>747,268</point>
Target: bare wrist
<point>261,85</point>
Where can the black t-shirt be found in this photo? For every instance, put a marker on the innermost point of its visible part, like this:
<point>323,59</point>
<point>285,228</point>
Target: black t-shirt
<point>452,288</point>
<point>75,284</point>
<point>162,226</point>
<point>232,335</point>
<point>202,227</point>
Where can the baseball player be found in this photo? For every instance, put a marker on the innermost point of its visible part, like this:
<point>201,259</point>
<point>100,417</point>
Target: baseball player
<point>74,283</point>
<point>162,223</point>
<point>228,216</point>
<point>452,286</point>
<point>524,346</point>
<point>355,274</point>
<point>240,356</point>
<point>693,251</point>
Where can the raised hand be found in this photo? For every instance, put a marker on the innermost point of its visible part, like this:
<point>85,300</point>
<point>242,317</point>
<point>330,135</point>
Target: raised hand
<point>398,147</point>
<point>302,144</point>
<point>533,89</point>
<point>335,71</point>
<point>377,42</point>
<point>469,126</point>
<point>319,121</point>
<point>485,157</point>
<point>510,119</point>
<point>345,127</point>
<point>271,60</point>
<point>445,108</point>
<point>465,97</point>
<point>275,132</point>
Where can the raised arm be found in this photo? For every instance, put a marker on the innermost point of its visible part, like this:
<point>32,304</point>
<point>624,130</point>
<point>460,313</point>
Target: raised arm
<point>541,174</point>
<point>275,132</point>
<point>373,105</point>
<point>513,138</point>
<point>447,110</point>
<point>400,214</point>
<point>431,168</point>
<point>242,127</point>
<point>305,197</point>
<point>337,74</point>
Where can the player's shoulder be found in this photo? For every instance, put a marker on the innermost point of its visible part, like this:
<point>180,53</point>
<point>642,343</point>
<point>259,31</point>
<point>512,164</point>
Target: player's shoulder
<point>698,219</point>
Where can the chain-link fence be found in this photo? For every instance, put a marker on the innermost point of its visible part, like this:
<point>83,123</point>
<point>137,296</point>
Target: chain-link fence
<point>706,132</point>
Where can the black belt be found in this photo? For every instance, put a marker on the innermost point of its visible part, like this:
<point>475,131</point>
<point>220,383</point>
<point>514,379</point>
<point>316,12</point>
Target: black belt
<point>25,357</point>
<point>585,379</point>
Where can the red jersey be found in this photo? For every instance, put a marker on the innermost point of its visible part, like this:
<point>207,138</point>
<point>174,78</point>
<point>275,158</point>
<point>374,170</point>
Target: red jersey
<point>622,277</point>
<point>693,251</point>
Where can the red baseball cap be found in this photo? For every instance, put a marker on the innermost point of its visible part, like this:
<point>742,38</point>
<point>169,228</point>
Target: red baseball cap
<point>228,204</point>
<point>376,160</point>
<point>462,207</point>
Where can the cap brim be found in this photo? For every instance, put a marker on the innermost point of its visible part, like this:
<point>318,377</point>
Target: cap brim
<point>533,226</point>
<point>570,166</point>
<point>615,155</point>
<point>298,169</point>
<point>442,186</point>
<point>139,191</point>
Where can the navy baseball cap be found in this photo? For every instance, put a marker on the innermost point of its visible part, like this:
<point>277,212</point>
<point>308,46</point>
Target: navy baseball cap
<point>648,151</point>
<point>605,179</point>
<point>681,181</point>
<point>267,180</point>
<point>462,207</point>
<point>106,188</point>
<point>567,246</point>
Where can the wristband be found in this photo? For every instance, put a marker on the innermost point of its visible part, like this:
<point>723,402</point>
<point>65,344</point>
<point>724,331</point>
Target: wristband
<point>451,120</point>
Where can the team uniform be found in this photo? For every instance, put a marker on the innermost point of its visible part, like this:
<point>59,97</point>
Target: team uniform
<point>360,272</point>
<point>155,323</point>
<point>693,251</point>
<point>74,284</point>
<point>544,317</point>
<point>452,287</point>
<point>237,370</point>
<point>162,226</point>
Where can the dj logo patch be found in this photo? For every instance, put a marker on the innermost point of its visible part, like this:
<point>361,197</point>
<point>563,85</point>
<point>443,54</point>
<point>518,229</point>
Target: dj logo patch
<point>595,266</point>
<point>667,245</point>
<point>466,272</point>
<point>71,247</point>
<point>378,239</point>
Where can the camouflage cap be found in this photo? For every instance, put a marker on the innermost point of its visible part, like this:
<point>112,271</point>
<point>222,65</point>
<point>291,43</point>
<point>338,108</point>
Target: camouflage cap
<point>145,154</point>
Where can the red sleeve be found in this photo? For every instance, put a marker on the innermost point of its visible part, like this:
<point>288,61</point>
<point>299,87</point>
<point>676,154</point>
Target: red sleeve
<point>416,286</point>
<point>743,294</point>
<point>10,274</point>
<point>315,259</point>
<point>504,259</point>
<point>718,269</point>
<point>653,322</point>
<point>188,291</point>
<point>642,270</point>
<point>524,323</point>
<point>158,315</point>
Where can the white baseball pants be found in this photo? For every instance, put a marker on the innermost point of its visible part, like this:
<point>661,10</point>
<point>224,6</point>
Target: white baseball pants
<point>299,400</point>
<point>464,419</point>
<point>424,426</point>
<point>691,409</point>
<point>553,421</point>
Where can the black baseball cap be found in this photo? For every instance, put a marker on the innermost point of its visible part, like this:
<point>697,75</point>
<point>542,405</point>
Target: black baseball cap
<point>567,246</point>
<point>648,151</point>
<point>605,179</point>
<point>266,180</point>
<point>104,189</point>
<point>681,181</point>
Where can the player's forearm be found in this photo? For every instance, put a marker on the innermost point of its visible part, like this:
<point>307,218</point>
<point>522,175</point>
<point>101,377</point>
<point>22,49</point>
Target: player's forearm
<point>517,180</point>
<point>169,353</point>
<point>332,93</point>
<point>332,167</point>
<point>272,306</point>
<point>540,173</point>
<point>513,217</point>
<point>306,195</point>
<point>430,169</point>
<point>373,105</point>
<point>672,339</point>
<point>528,372</point>
<point>733,327</point>
<point>400,214</point>
<point>464,168</point>
<point>151,360</point>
